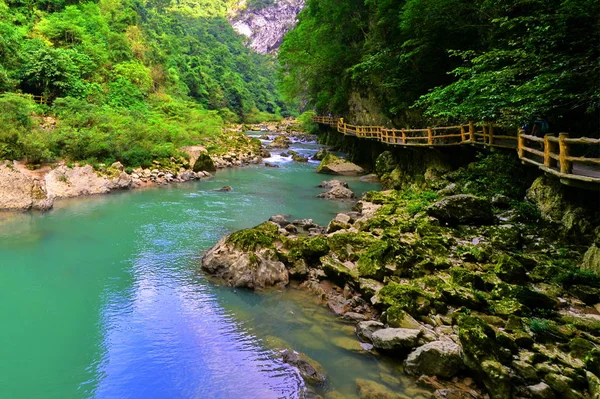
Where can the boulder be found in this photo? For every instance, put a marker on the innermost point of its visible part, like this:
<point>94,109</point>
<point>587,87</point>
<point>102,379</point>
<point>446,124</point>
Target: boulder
<point>439,358</point>
<point>337,166</point>
<point>255,269</point>
<point>370,178</point>
<point>194,152</point>
<point>332,184</point>
<point>365,329</point>
<point>462,209</point>
<point>396,339</point>
<point>271,165</point>
<point>19,191</point>
<point>319,155</point>
<point>338,272</point>
<point>337,192</point>
<point>204,163</point>
<point>311,371</point>
<point>299,158</point>
<point>224,189</point>
<point>279,219</point>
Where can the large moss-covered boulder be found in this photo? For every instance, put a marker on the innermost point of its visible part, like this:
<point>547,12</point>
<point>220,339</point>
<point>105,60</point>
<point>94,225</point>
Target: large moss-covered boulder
<point>408,298</point>
<point>247,258</point>
<point>204,163</point>
<point>550,196</point>
<point>462,209</point>
<point>337,166</point>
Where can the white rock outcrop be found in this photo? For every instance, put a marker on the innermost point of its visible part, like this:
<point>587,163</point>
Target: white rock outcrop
<point>265,27</point>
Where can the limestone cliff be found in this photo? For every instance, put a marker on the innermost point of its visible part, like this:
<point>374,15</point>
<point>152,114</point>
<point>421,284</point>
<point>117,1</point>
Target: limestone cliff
<point>265,26</point>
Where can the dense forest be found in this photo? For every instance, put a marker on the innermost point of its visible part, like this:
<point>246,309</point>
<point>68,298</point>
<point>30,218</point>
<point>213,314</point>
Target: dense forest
<point>506,62</point>
<point>124,80</point>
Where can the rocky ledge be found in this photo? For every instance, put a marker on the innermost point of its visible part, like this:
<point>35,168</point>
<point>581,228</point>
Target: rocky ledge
<point>474,293</point>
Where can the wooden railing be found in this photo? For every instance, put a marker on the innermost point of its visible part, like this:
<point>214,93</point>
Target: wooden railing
<point>553,154</point>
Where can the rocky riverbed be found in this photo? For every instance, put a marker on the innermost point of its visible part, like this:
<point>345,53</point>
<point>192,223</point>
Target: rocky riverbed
<point>475,284</point>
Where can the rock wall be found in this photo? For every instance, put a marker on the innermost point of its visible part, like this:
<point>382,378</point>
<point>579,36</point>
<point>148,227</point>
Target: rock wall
<point>265,27</point>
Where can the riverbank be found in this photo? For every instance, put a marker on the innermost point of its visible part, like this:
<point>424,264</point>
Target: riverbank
<point>476,289</point>
<point>24,189</point>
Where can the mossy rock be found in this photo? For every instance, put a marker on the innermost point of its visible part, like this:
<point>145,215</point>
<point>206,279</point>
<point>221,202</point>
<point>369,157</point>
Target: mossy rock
<point>580,347</point>
<point>347,245</point>
<point>204,163</point>
<point>308,248</point>
<point>510,270</point>
<point>337,271</point>
<point>466,278</point>
<point>397,318</point>
<point>261,236</point>
<point>508,306</point>
<point>587,294</point>
<point>408,298</point>
<point>525,295</point>
<point>371,263</point>
<point>592,361</point>
<point>462,296</point>
<point>507,237</point>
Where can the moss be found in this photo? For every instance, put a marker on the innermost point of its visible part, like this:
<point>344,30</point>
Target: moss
<point>580,347</point>
<point>373,259</point>
<point>204,163</point>
<point>477,338</point>
<point>585,324</point>
<point>525,295</point>
<point>592,361</point>
<point>347,246</point>
<point>261,236</point>
<point>328,159</point>
<point>407,297</point>
<point>464,277</point>
<point>507,307</point>
<point>309,248</point>
<point>510,270</point>
<point>337,271</point>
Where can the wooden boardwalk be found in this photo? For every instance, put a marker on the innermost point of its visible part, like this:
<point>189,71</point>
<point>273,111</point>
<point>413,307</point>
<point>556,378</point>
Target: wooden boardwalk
<point>565,157</point>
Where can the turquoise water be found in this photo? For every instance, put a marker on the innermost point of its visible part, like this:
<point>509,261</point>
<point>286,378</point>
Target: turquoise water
<point>103,296</point>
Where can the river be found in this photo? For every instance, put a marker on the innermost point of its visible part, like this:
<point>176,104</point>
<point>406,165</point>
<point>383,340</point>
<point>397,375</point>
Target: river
<point>103,296</point>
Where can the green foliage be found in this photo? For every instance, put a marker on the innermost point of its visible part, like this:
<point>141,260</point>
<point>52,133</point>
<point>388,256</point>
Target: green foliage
<point>126,81</point>
<point>578,276</point>
<point>305,120</point>
<point>491,174</point>
<point>450,60</point>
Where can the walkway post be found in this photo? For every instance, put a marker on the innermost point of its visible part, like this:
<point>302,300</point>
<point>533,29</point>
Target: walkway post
<point>429,136</point>
<point>491,135</point>
<point>403,137</point>
<point>520,143</point>
<point>471,132</point>
<point>566,166</point>
<point>462,134</point>
<point>547,150</point>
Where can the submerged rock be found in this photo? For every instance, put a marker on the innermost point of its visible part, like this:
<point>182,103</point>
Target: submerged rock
<point>224,189</point>
<point>368,389</point>
<point>439,358</point>
<point>310,370</point>
<point>462,209</point>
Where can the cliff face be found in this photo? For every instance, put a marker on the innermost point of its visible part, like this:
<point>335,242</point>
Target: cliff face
<point>265,27</point>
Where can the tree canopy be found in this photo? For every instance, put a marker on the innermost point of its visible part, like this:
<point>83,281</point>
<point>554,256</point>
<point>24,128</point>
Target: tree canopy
<point>507,61</point>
